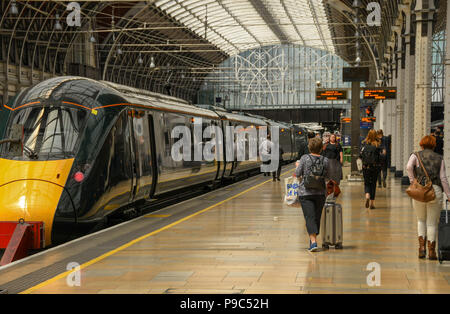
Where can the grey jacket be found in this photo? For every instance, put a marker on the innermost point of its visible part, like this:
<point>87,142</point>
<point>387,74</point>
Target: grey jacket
<point>304,169</point>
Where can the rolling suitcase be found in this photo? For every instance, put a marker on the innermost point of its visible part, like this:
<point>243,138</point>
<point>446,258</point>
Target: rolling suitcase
<point>332,229</point>
<point>444,235</point>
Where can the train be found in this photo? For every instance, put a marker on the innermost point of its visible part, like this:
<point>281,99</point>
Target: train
<point>92,149</point>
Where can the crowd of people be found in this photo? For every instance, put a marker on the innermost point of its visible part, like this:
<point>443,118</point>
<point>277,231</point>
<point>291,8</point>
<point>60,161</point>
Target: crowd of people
<point>321,160</point>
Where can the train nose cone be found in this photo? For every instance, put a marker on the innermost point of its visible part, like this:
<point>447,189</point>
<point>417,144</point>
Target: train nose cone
<point>31,190</point>
<point>32,200</point>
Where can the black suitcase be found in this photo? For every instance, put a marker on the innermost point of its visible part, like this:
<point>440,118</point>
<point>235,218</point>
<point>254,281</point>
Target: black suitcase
<point>444,235</point>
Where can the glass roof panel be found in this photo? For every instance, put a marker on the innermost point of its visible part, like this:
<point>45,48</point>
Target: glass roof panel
<point>238,25</point>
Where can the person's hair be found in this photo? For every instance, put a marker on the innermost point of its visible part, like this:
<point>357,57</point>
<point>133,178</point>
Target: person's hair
<point>428,142</point>
<point>380,132</point>
<point>311,135</point>
<point>315,145</point>
<point>335,137</point>
<point>437,132</point>
<point>372,138</point>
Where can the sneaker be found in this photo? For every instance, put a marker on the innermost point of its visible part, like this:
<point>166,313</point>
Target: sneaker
<point>367,203</point>
<point>313,247</point>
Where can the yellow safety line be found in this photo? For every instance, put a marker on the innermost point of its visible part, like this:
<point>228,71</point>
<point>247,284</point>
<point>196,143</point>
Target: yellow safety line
<point>123,247</point>
<point>157,216</point>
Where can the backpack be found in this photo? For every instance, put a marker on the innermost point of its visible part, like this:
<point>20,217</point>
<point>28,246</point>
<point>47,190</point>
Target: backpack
<point>315,180</point>
<point>370,155</point>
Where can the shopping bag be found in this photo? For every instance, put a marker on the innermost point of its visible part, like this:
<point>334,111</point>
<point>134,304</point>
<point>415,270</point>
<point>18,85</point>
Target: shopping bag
<point>291,191</point>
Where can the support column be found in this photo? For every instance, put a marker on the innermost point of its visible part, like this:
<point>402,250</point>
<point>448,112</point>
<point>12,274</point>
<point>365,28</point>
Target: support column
<point>400,108</point>
<point>356,108</point>
<point>394,138</point>
<point>424,35</point>
<point>408,142</point>
<point>382,106</point>
<point>447,97</point>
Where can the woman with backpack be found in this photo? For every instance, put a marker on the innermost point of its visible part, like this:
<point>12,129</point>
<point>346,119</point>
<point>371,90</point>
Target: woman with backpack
<point>370,155</point>
<point>333,151</point>
<point>313,170</point>
<point>426,166</point>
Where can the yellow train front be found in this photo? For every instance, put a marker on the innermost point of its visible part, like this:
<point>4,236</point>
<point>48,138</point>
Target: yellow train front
<point>71,170</point>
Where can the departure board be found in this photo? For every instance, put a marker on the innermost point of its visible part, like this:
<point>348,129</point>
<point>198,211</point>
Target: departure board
<point>331,94</point>
<point>380,93</point>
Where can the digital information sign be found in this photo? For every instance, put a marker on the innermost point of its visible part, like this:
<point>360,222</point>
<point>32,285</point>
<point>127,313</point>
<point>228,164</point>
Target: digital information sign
<point>331,94</point>
<point>380,93</point>
<point>355,74</point>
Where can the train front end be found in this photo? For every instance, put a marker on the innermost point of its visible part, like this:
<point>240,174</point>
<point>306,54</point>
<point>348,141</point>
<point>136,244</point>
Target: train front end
<point>33,180</point>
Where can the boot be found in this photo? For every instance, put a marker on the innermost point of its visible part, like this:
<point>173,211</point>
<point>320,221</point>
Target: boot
<point>422,249</point>
<point>432,250</point>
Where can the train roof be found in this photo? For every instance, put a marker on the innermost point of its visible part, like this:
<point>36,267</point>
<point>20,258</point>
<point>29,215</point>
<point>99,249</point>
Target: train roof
<point>83,92</point>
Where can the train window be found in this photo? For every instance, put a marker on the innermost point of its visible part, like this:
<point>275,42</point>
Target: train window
<point>49,132</point>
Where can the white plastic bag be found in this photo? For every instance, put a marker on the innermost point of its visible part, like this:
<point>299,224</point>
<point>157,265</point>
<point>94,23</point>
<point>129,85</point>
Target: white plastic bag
<point>291,185</point>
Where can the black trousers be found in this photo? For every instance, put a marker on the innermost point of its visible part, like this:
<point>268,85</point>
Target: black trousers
<point>312,206</point>
<point>370,175</point>
<point>276,174</point>
<point>382,175</point>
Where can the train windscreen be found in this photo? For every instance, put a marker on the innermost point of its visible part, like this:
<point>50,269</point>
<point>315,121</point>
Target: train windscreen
<point>51,132</point>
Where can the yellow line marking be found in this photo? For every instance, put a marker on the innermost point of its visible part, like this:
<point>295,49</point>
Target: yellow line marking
<point>157,216</point>
<point>123,247</point>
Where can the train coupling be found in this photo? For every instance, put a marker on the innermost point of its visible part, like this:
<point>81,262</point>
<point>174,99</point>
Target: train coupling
<point>18,238</point>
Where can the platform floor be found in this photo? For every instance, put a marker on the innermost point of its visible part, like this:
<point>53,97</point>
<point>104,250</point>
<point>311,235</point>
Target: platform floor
<point>252,243</point>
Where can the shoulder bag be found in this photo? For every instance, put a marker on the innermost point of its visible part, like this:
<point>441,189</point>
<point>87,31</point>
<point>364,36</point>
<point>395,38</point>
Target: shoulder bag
<point>421,193</point>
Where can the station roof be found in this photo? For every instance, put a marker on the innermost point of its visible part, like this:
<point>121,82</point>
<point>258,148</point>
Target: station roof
<point>187,39</point>
<point>236,26</point>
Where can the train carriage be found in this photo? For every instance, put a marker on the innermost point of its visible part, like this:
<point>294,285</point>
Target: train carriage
<point>92,149</point>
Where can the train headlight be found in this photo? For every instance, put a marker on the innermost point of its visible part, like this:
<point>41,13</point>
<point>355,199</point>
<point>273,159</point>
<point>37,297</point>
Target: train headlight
<point>78,177</point>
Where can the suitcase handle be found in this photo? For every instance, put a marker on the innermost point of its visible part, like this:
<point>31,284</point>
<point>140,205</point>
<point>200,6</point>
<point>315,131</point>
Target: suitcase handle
<point>446,211</point>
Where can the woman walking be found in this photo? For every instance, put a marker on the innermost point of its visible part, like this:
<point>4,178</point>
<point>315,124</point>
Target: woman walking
<point>421,166</point>
<point>370,155</point>
<point>333,151</point>
<point>313,169</point>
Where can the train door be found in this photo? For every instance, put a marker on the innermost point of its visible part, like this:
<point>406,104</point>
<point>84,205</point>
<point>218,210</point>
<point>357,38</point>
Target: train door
<point>141,151</point>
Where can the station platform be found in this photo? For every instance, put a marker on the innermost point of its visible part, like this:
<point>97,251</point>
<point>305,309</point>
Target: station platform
<point>241,239</point>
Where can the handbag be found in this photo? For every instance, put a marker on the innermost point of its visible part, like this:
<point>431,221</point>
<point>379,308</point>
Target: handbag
<point>421,193</point>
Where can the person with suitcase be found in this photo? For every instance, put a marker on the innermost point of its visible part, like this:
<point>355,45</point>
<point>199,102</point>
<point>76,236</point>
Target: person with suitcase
<point>370,156</point>
<point>423,168</point>
<point>313,169</point>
